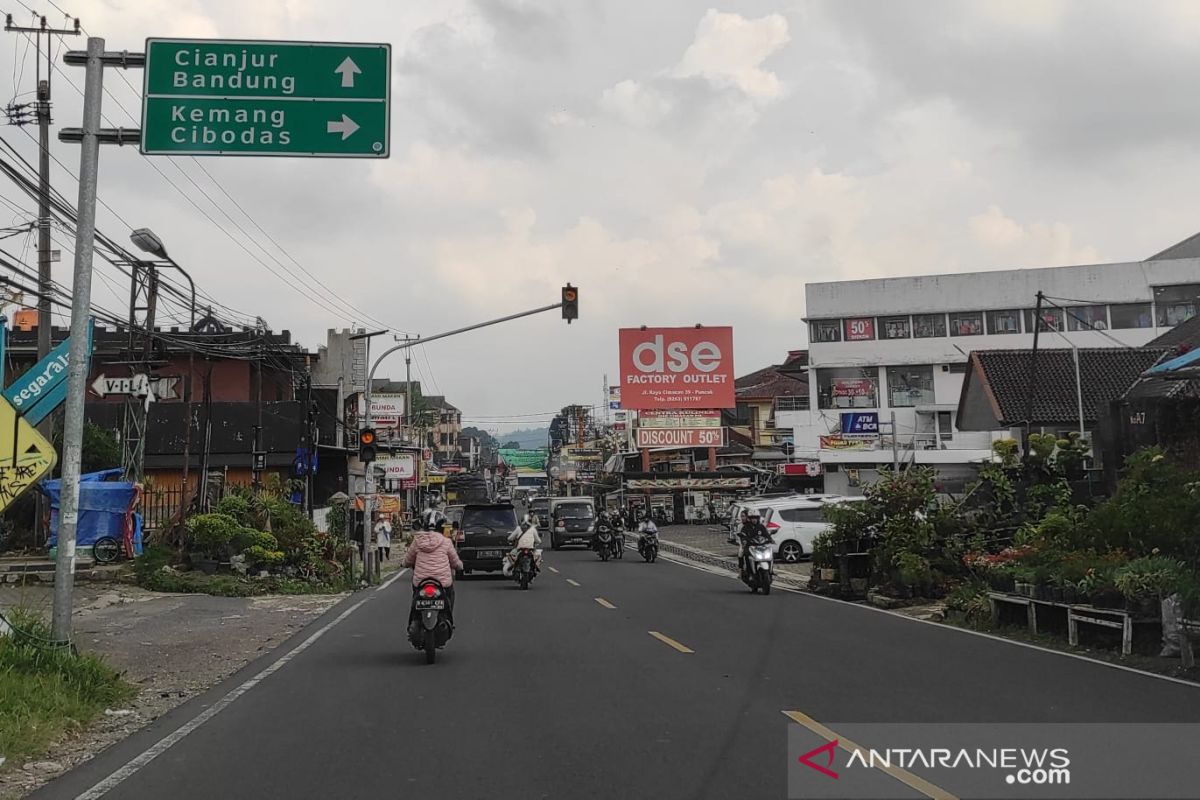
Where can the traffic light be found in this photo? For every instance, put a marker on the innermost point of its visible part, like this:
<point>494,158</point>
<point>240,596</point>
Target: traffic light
<point>366,445</point>
<point>570,303</point>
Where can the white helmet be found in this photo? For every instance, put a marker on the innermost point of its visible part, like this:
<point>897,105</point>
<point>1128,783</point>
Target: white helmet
<point>432,519</point>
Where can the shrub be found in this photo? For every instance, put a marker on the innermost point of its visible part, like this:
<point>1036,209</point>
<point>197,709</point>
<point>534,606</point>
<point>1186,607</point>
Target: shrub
<point>238,507</point>
<point>289,525</point>
<point>822,550</point>
<point>259,556</point>
<point>246,538</point>
<point>1149,577</point>
<point>211,534</point>
<point>971,600</point>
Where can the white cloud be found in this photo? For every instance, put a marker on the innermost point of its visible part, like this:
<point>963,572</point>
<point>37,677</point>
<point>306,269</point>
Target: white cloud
<point>729,50</point>
<point>636,104</point>
<point>1034,243</point>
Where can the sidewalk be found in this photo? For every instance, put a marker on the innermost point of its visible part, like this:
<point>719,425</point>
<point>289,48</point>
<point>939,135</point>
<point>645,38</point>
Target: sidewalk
<point>707,544</point>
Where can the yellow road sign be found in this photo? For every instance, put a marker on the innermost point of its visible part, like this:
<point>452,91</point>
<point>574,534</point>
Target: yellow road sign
<point>25,455</point>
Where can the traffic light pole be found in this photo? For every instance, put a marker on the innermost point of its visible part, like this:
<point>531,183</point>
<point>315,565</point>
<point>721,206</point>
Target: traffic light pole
<point>366,422</point>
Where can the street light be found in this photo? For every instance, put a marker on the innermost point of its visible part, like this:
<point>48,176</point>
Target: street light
<point>147,240</point>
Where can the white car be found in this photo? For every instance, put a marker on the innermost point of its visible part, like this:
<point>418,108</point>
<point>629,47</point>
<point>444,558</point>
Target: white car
<point>793,521</point>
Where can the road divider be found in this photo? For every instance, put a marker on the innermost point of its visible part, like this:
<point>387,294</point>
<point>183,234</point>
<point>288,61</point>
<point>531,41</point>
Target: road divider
<point>669,642</point>
<point>604,602</point>
<point>910,780</point>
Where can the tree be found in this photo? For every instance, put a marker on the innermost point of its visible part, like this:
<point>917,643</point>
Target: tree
<point>511,445</point>
<point>101,449</point>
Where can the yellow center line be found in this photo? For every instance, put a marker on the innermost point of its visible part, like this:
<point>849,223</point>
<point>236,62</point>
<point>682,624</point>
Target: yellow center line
<point>573,583</point>
<point>552,569</point>
<point>904,776</point>
<point>604,602</point>
<point>667,640</point>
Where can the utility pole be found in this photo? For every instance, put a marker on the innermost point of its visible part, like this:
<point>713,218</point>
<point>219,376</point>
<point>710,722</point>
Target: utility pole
<point>45,276</point>
<point>895,447</point>
<point>1030,383</point>
<point>89,136</point>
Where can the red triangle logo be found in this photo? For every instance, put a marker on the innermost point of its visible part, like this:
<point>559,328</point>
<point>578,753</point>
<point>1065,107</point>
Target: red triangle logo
<point>827,749</point>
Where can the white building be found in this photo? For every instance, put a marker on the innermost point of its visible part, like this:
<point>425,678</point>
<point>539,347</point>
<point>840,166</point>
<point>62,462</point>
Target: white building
<point>900,345</point>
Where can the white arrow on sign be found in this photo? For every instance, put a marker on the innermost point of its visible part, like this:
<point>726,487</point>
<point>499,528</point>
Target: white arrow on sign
<point>137,385</point>
<point>348,69</point>
<point>345,127</point>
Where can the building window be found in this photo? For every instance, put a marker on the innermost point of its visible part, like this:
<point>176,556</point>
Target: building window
<point>1007,321</point>
<point>860,329</point>
<point>929,326</point>
<point>1176,304</point>
<point>1087,318</point>
<point>1131,315</point>
<point>910,386</point>
<point>826,330</point>
<point>847,387</point>
<point>945,426</point>
<point>966,323</point>
<point>1052,319</point>
<point>895,327</point>
<point>741,415</point>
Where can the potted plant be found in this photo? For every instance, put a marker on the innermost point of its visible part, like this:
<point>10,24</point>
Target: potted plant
<point>1145,581</point>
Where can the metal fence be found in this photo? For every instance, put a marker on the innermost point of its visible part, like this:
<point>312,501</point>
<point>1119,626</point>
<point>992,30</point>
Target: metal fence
<point>159,506</point>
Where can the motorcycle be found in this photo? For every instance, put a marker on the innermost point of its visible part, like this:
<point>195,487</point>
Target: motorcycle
<point>526,567</point>
<point>758,567</point>
<point>648,545</point>
<point>429,625</point>
<point>605,543</point>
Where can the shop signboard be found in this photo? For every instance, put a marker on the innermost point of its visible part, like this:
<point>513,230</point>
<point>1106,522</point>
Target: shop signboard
<point>860,422</point>
<point>680,437</point>
<point>710,418</point>
<point>677,368</point>
<point>848,442</point>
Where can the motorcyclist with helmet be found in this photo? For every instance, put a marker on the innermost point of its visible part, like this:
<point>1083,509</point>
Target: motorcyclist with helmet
<point>432,555</point>
<point>524,537</point>
<point>752,532</point>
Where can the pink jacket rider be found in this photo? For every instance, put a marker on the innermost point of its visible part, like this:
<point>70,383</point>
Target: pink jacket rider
<point>432,555</point>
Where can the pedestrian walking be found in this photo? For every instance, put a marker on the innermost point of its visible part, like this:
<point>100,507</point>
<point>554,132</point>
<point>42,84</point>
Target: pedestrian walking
<point>383,537</point>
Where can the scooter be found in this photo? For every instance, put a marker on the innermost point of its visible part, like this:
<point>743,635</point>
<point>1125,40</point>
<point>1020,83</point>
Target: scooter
<point>526,567</point>
<point>429,624</point>
<point>758,569</point>
<point>603,542</point>
<point>648,545</point>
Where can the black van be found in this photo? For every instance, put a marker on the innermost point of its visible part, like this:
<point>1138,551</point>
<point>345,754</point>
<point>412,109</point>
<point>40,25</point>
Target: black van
<point>485,530</point>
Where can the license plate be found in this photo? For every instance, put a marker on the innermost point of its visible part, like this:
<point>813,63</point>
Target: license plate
<point>431,604</point>
<point>488,553</point>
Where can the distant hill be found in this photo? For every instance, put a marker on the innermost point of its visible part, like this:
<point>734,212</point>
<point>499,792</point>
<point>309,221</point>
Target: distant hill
<point>528,438</point>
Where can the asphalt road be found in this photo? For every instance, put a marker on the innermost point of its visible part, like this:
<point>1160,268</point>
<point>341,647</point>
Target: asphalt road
<point>551,694</point>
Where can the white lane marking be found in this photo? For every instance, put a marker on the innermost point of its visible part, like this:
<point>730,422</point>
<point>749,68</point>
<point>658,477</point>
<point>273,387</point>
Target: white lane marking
<point>573,583</point>
<point>173,738</point>
<point>390,580</point>
<point>604,602</point>
<point>940,625</point>
<point>552,569</point>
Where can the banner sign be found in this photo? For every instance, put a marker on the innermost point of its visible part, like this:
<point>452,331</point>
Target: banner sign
<point>643,484</point>
<point>848,442</point>
<point>859,330</point>
<point>386,410</point>
<point>677,368</point>
<point>680,437</point>
<point>614,397</point>
<point>680,419</point>
<point>400,467</point>
<point>809,468</point>
<point>860,387</point>
<point>524,459</point>
<point>860,422</point>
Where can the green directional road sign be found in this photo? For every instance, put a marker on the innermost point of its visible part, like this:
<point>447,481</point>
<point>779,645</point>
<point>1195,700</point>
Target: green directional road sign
<point>230,97</point>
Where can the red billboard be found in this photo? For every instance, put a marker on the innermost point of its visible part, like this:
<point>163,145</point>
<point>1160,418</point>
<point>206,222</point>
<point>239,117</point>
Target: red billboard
<point>677,368</point>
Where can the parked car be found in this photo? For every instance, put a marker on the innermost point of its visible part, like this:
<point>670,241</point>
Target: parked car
<point>572,520</point>
<point>794,521</point>
<point>483,538</point>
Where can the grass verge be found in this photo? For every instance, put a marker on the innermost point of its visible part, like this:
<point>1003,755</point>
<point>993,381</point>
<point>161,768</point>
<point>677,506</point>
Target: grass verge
<point>46,691</point>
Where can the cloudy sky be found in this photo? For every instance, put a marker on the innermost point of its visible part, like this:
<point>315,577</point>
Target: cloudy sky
<point>681,163</point>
